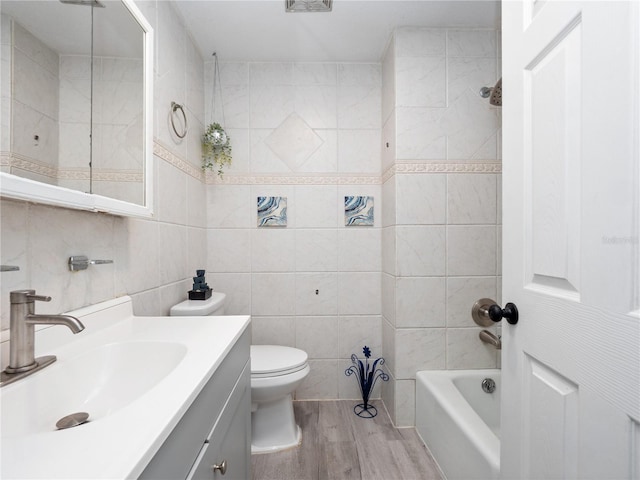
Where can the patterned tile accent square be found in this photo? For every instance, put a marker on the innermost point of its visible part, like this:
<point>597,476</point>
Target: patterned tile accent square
<point>293,141</point>
<point>358,211</point>
<point>272,211</point>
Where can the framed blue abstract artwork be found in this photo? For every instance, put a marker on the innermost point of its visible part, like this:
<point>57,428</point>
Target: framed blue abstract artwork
<point>272,211</point>
<point>358,211</point>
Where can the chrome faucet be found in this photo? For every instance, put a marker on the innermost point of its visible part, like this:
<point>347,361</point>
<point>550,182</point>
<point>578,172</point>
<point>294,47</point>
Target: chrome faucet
<point>22,361</point>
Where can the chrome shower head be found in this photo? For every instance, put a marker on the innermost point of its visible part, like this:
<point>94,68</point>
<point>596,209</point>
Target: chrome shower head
<point>496,94</point>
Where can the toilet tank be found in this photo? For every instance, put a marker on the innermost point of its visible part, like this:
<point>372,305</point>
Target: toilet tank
<point>214,305</point>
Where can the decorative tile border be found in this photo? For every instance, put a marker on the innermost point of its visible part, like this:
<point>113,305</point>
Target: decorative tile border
<point>117,176</point>
<point>292,179</point>
<point>163,152</point>
<point>352,179</point>
<point>5,159</point>
<point>211,178</point>
<point>27,164</point>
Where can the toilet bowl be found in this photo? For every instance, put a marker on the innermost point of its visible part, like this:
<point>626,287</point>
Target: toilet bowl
<point>276,372</point>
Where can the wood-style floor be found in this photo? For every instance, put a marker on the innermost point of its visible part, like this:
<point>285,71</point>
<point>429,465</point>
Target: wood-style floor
<point>338,445</point>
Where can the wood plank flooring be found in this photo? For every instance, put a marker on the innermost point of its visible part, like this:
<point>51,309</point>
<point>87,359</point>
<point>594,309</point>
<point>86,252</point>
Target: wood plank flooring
<point>338,445</point>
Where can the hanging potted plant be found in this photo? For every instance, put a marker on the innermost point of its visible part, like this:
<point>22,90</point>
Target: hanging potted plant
<point>216,149</point>
<point>216,144</point>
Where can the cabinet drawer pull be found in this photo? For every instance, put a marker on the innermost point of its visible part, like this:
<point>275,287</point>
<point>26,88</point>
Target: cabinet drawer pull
<point>222,467</point>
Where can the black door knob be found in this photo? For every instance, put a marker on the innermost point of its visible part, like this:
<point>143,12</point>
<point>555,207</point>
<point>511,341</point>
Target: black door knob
<point>509,312</point>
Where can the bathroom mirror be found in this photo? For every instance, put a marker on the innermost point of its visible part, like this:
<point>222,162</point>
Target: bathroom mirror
<point>76,105</point>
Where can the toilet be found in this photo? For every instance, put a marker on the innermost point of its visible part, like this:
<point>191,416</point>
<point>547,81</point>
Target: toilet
<point>276,372</point>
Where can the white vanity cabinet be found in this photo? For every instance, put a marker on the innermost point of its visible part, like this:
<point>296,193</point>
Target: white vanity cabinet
<point>216,429</point>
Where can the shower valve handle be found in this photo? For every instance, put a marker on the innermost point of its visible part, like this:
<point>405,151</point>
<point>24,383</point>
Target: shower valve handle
<point>509,312</point>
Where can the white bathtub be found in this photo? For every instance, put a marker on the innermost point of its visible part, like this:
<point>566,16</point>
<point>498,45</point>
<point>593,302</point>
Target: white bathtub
<point>460,423</point>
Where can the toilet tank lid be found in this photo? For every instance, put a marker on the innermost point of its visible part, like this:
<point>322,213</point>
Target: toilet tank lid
<point>275,358</point>
<point>198,308</point>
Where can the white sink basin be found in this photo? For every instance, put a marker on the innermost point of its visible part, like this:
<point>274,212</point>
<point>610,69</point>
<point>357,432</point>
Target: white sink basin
<point>99,382</point>
<point>134,376</point>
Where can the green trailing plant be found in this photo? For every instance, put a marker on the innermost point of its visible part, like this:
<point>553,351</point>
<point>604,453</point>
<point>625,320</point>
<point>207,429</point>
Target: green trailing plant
<point>216,149</point>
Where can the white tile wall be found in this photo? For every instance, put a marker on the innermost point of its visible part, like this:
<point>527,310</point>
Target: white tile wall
<point>316,293</point>
<point>316,206</point>
<point>420,199</point>
<point>354,332</point>
<point>13,238</point>
<point>421,81</point>
<point>316,250</point>
<point>272,250</point>
<point>405,402</point>
<point>389,296</point>
<point>359,293</point>
<point>338,106</point>
<point>229,206</point>
<point>464,349</point>
<point>419,349</point>
<point>471,43</point>
<point>420,250</point>
<point>5,84</point>
<point>389,250</point>
<point>359,249</point>
<point>318,336</point>
<point>471,199</point>
<point>171,248</point>
<point>420,302</point>
<point>31,97</point>
<point>171,208</point>
<point>229,250</point>
<point>272,294</point>
<point>315,73</point>
<point>322,381</point>
<point>237,287</point>
<point>462,293</point>
<point>440,251</point>
<point>358,151</point>
<point>471,250</point>
<point>273,331</point>
<point>359,106</point>
<point>419,42</point>
<point>137,268</point>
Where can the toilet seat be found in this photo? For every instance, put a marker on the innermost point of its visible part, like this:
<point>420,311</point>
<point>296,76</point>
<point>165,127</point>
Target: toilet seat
<point>276,360</point>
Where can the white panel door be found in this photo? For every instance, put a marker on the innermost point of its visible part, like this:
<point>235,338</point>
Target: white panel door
<point>571,263</point>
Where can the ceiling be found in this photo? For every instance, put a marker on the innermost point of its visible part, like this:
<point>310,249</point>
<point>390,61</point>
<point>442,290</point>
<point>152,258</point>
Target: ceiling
<point>67,28</point>
<point>355,31</point>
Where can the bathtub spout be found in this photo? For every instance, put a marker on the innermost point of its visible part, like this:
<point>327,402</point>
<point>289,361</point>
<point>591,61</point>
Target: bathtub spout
<point>491,339</point>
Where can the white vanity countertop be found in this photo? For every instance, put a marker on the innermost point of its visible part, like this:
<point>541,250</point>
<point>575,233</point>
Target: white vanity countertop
<point>117,442</point>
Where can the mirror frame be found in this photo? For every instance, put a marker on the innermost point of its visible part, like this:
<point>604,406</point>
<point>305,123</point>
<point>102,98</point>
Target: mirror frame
<point>12,186</point>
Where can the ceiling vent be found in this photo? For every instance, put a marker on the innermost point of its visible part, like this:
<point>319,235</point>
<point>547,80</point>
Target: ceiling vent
<point>308,5</point>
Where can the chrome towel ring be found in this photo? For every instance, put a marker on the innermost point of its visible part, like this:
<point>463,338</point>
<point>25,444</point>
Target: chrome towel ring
<point>176,106</point>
